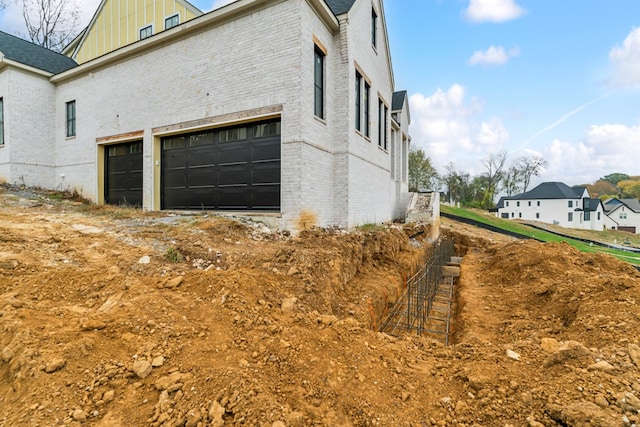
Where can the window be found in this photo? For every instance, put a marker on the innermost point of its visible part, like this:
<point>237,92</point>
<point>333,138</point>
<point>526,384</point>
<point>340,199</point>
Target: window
<point>587,216</point>
<point>518,204</point>
<point>507,204</point>
<point>504,215</point>
<point>538,203</point>
<point>374,24</point>
<point>358,96</point>
<point>519,214</point>
<point>598,216</point>
<point>146,32</point>
<point>570,217</point>
<point>382,124</point>
<point>1,122</point>
<point>266,130</point>
<point>230,135</point>
<point>537,215</point>
<point>623,215</point>
<point>170,22</point>
<point>570,203</point>
<point>367,92</point>
<point>71,118</point>
<point>512,215</point>
<point>529,202</point>
<point>318,81</point>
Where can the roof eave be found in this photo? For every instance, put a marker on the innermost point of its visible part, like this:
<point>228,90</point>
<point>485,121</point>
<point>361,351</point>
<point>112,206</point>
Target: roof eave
<point>6,62</point>
<point>183,30</point>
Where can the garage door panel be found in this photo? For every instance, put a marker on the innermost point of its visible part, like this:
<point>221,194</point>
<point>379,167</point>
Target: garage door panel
<point>123,173</point>
<point>228,169</point>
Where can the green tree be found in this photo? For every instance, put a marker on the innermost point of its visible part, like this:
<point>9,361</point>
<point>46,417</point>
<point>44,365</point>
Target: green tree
<point>615,178</point>
<point>494,172</point>
<point>422,174</point>
<point>511,180</point>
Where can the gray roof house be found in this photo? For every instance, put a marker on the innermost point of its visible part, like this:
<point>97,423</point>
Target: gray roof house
<point>554,203</point>
<point>622,214</point>
<point>284,109</point>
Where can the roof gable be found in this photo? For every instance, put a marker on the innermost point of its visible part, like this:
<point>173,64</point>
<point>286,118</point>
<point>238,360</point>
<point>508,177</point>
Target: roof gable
<point>32,55</point>
<point>117,23</point>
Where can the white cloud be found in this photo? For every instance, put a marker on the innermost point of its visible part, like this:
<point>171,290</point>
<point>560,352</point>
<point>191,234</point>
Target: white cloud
<point>448,126</point>
<point>625,61</point>
<point>492,132</point>
<point>605,149</point>
<point>494,55</point>
<point>493,10</point>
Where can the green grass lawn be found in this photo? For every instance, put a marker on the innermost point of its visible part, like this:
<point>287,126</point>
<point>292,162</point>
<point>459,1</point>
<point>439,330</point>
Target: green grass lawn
<point>516,227</point>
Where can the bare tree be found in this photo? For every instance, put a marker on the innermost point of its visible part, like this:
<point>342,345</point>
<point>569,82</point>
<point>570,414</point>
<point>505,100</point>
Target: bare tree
<point>530,166</point>
<point>511,180</point>
<point>50,23</point>
<point>494,166</point>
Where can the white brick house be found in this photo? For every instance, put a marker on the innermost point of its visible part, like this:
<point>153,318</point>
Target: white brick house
<point>262,106</point>
<point>622,214</point>
<point>555,203</point>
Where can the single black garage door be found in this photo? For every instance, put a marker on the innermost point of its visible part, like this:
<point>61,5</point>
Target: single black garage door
<point>234,168</point>
<point>627,229</point>
<point>123,181</point>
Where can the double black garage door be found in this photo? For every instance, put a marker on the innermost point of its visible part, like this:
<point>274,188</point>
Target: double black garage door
<point>234,168</point>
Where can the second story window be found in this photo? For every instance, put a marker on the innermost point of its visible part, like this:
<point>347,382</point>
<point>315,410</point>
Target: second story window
<point>367,91</point>
<point>146,32</point>
<point>171,21</point>
<point>71,118</point>
<point>1,122</point>
<point>318,80</point>
<point>374,30</point>
<point>383,111</point>
<point>358,105</point>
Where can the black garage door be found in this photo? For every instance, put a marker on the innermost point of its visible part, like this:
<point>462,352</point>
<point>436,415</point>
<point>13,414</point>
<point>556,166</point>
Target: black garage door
<point>627,229</point>
<point>123,181</point>
<point>235,168</point>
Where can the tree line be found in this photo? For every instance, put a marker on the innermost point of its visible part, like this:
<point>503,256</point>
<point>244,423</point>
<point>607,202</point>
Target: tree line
<point>502,177</point>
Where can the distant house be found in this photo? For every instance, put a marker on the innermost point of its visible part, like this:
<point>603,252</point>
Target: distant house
<point>622,214</point>
<point>555,203</point>
<point>285,109</point>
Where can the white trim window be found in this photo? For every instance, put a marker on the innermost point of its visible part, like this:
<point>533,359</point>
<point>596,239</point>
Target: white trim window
<point>172,21</point>
<point>146,31</point>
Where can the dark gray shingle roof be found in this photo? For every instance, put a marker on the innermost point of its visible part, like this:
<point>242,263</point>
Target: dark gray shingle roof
<point>550,190</point>
<point>27,53</point>
<point>338,7</point>
<point>397,101</point>
<point>611,204</point>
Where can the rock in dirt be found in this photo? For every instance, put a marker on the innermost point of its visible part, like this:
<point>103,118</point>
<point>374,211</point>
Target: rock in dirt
<point>193,418</point>
<point>289,304</point>
<point>173,283</point>
<point>513,355</point>
<point>581,414</point>
<point>54,365</point>
<point>144,260</point>
<point>79,415</point>
<point>157,362</point>
<point>634,354</point>
<point>550,345</point>
<point>92,324</point>
<point>568,350</point>
<point>629,402</point>
<point>602,366</point>
<point>216,411</point>
<point>141,368</point>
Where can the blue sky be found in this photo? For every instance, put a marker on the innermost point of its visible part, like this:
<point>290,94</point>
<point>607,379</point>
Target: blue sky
<point>556,78</point>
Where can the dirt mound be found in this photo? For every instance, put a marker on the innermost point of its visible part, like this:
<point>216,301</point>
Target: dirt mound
<point>117,317</point>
